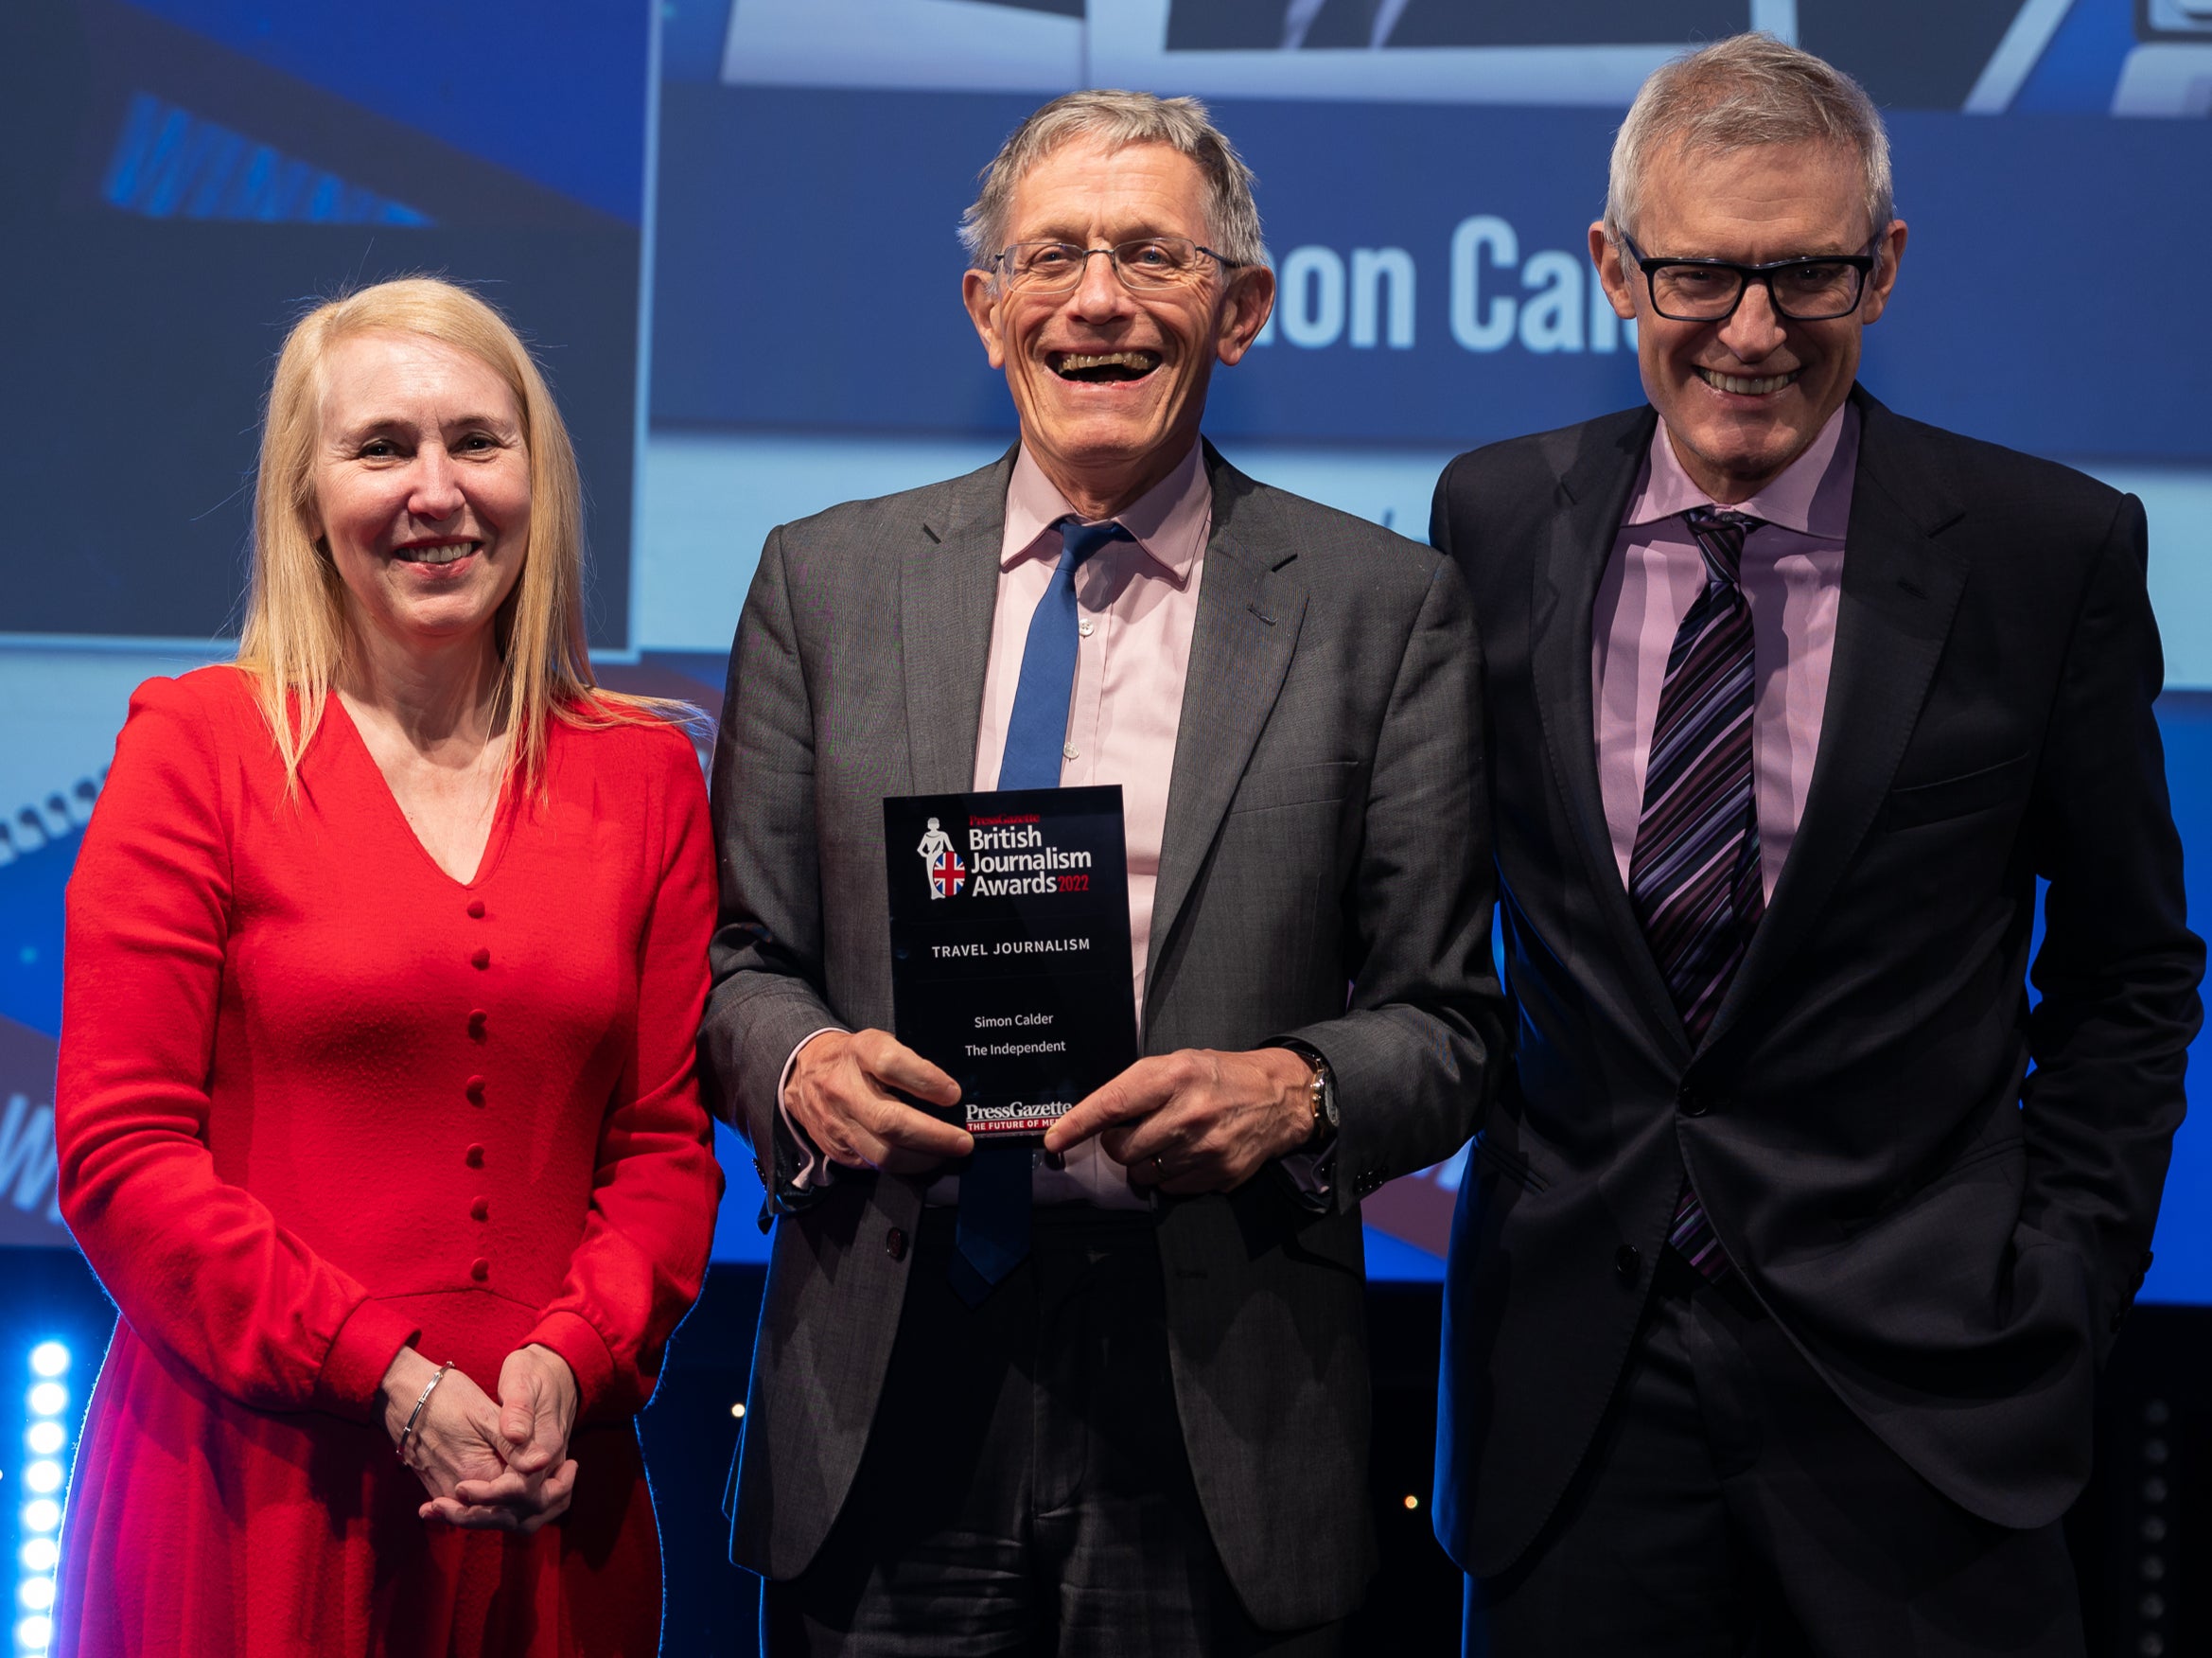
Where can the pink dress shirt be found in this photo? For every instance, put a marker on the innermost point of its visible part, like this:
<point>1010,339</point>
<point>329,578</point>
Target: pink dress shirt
<point>1792,575</point>
<point>1138,607</point>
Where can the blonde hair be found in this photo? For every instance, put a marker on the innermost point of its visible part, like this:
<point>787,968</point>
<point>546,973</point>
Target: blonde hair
<point>296,635</point>
<point>1742,93</point>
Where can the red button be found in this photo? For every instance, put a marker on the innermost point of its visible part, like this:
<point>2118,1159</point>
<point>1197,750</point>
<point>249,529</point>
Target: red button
<point>476,1022</point>
<point>475,1157</point>
<point>476,908</point>
<point>481,958</point>
<point>480,1210</point>
<point>479,1269</point>
<point>475,1090</point>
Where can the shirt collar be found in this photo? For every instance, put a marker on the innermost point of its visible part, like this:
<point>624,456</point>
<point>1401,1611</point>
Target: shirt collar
<point>1812,496</point>
<point>1168,522</point>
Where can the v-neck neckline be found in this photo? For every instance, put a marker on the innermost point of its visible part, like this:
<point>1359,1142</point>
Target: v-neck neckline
<point>495,840</point>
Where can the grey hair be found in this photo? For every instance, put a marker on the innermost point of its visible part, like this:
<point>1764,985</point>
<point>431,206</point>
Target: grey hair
<point>1118,119</point>
<point>1745,91</point>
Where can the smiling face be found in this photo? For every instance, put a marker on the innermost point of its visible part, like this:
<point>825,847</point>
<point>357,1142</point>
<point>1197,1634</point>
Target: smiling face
<point>1744,397</point>
<point>1109,384</point>
<point>421,489</point>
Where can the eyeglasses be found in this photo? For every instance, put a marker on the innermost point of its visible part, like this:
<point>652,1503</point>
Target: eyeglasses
<point>1816,287</point>
<point>1147,265</point>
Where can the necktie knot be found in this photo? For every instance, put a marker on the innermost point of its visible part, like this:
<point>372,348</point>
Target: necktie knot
<point>1078,541</point>
<point>1720,537</point>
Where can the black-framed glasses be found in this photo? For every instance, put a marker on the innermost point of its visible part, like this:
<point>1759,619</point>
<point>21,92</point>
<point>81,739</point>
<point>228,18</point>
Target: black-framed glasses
<point>1814,288</point>
<point>1148,264</point>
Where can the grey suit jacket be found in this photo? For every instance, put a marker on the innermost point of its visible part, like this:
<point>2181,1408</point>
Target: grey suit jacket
<point>1324,828</point>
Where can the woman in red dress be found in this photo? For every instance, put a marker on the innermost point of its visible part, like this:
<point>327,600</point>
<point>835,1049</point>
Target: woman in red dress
<point>376,1111</point>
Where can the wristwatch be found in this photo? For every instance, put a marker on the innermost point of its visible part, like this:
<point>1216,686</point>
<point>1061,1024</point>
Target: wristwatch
<point>1322,1089</point>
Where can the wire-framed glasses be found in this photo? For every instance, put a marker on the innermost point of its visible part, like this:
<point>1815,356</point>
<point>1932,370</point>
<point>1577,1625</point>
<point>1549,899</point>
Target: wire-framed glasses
<point>1150,262</point>
<point>1814,288</point>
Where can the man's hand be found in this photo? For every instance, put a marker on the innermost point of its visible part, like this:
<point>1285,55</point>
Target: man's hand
<point>839,1093</point>
<point>1196,1121</point>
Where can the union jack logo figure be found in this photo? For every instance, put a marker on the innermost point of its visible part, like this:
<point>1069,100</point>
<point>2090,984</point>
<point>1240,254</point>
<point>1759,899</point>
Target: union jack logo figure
<point>947,874</point>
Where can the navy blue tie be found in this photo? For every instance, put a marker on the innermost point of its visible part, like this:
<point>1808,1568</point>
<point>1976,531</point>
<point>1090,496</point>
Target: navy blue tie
<point>991,1237</point>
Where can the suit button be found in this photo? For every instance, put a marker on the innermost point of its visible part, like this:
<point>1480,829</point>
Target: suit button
<point>474,1158</point>
<point>474,1089</point>
<point>1693,1103</point>
<point>895,1243</point>
<point>476,908</point>
<point>1628,1264</point>
<point>480,960</point>
<point>478,1018</point>
<point>480,1210</point>
<point>479,1269</point>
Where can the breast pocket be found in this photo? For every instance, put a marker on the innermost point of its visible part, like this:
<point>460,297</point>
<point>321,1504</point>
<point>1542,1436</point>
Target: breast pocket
<point>1326,782</point>
<point>1956,796</point>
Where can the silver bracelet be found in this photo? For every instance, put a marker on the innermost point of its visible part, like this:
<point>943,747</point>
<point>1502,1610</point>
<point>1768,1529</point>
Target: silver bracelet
<point>408,1433</point>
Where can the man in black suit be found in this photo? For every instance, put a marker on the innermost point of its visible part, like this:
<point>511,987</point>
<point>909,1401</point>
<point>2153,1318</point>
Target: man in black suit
<point>1788,1256</point>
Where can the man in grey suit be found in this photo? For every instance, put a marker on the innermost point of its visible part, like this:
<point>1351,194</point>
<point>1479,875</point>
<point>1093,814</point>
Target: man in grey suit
<point>1149,1433</point>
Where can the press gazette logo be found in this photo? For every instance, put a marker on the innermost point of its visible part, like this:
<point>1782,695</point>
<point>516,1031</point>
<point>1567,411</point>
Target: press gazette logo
<point>1009,857</point>
<point>947,873</point>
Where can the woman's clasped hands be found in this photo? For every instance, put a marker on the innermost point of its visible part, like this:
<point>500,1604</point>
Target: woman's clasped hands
<point>499,1464</point>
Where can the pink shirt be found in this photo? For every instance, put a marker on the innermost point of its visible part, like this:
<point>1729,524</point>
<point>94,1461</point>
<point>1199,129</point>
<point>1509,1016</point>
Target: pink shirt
<point>1138,607</point>
<point>1792,576</point>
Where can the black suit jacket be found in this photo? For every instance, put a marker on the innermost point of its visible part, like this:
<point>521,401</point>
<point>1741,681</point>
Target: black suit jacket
<point>1951,1237</point>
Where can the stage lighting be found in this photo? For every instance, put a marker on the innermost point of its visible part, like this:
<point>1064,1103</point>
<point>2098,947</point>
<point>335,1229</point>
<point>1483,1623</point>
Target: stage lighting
<point>47,1437</point>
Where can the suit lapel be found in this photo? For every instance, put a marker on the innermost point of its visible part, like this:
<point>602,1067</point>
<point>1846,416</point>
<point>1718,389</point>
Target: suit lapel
<point>948,589</point>
<point>1249,615</point>
<point>1901,588</point>
<point>1593,496</point>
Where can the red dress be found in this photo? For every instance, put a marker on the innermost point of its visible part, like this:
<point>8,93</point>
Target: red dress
<point>319,1101</point>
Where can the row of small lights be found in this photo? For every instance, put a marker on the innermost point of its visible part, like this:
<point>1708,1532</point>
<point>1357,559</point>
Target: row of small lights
<point>47,1438</point>
<point>2157,1489</point>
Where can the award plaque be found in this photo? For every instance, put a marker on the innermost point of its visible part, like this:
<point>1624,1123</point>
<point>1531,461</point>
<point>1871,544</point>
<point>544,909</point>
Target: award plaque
<point>1009,948</point>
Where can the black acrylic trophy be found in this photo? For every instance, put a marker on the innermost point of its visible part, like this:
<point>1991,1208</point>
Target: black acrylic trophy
<point>1010,948</point>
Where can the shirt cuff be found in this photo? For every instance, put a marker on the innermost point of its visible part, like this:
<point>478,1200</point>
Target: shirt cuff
<point>1312,1174</point>
<point>351,1383</point>
<point>813,1170</point>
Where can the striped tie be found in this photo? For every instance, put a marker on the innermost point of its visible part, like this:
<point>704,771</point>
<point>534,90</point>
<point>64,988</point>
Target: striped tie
<point>1693,877</point>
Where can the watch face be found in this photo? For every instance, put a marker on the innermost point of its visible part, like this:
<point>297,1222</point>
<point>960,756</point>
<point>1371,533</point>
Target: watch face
<point>1324,1094</point>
